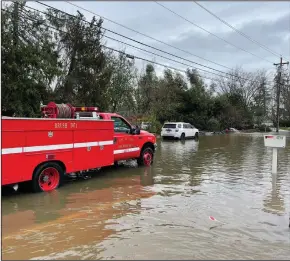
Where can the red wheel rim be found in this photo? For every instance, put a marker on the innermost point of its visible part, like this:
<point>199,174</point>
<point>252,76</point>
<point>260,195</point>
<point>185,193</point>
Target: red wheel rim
<point>48,179</point>
<point>147,158</point>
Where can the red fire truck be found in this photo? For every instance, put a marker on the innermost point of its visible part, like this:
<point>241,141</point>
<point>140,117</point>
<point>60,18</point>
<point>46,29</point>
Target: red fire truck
<point>67,140</point>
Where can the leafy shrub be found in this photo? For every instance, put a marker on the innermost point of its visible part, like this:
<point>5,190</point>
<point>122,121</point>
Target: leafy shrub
<point>284,123</point>
<point>213,125</point>
<point>155,127</point>
<point>264,128</point>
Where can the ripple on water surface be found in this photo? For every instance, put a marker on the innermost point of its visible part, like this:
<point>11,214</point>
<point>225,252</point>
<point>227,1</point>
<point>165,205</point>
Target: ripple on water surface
<point>163,212</point>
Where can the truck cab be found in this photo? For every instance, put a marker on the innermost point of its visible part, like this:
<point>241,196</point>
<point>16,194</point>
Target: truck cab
<point>129,141</point>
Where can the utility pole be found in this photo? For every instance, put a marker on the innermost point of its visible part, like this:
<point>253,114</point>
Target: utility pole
<point>263,85</point>
<point>279,76</point>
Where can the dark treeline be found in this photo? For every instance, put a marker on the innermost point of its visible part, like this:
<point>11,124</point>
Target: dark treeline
<point>62,58</point>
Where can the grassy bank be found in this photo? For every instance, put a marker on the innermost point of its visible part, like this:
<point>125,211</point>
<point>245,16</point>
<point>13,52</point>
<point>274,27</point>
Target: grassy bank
<point>285,128</point>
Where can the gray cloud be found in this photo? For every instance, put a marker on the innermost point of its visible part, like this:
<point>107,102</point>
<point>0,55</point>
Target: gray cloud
<point>266,22</point>
<point>209,46</point>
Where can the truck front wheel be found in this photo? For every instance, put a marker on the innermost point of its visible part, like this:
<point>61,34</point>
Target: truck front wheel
<point>47,177</point>
<point>146,157</point>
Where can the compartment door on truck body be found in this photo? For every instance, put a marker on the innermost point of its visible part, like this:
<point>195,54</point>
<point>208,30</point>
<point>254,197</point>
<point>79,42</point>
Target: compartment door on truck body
<point>92,149</point>
<point>125,143</point>
<point>11,155</point>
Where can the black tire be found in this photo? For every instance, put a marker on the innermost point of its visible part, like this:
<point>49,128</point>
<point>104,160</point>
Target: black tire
<point>144,153</point>
<point>196,136</point>
<point>54,168</point>
<point>182,137</point>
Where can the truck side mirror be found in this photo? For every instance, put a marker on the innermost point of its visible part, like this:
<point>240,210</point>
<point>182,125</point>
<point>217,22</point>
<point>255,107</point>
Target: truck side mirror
<point>135,130</point>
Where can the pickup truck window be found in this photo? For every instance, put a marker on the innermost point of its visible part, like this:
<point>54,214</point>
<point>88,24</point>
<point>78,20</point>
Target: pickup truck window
<point>120,125</point>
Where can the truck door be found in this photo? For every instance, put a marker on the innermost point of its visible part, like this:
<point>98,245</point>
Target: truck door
<point>125,144</point>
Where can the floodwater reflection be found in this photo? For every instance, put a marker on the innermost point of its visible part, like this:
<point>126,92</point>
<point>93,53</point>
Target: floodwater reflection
<point>162,212</point>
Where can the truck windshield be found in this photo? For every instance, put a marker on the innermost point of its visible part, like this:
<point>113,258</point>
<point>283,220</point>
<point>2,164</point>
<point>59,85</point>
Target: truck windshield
<point>169,126</point>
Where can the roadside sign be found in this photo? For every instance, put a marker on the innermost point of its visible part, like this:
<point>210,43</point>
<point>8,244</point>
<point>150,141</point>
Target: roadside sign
<point>275,141</point>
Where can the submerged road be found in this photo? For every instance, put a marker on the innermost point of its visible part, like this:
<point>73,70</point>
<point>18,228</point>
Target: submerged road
<point>162,212</point>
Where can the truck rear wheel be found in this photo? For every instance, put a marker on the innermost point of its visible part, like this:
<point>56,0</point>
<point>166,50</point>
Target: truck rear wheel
<point>146,157</point>
<point>47,177</point>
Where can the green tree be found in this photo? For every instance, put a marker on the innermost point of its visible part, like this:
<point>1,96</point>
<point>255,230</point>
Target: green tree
<point>86,71</point>
<point>146,90</point>
<point>29,61</point>
<point>168,96</point>
<point>122,83</point>
<point>197,102</point>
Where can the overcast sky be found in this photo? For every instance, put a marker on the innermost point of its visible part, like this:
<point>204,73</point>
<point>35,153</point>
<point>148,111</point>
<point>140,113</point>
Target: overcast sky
<point>266,22</point>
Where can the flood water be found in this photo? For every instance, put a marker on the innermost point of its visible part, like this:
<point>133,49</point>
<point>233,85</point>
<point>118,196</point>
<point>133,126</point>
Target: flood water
<point>162,212</point>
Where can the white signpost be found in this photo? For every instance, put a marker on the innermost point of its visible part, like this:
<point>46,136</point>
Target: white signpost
<point>275,142</point>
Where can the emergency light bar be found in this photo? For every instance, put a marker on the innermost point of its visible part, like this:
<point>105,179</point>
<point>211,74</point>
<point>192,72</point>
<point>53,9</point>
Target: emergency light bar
<point>86,109</point>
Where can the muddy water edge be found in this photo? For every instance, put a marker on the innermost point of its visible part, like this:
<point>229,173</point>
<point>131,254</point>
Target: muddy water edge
<point>162,212</point>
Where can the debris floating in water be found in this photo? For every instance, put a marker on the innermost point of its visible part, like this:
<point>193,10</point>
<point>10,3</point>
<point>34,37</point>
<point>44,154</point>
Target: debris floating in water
<point>214,219</point>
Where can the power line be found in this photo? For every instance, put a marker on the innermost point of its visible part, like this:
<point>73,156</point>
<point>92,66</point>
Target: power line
<point>126,37</point>
<point>150,37</point>
<point>140,49</point>
<point>220,38</point>
<point>238,31</point>
<point>157,63</point>
<point>121,52</point>
<point>131,39</point>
